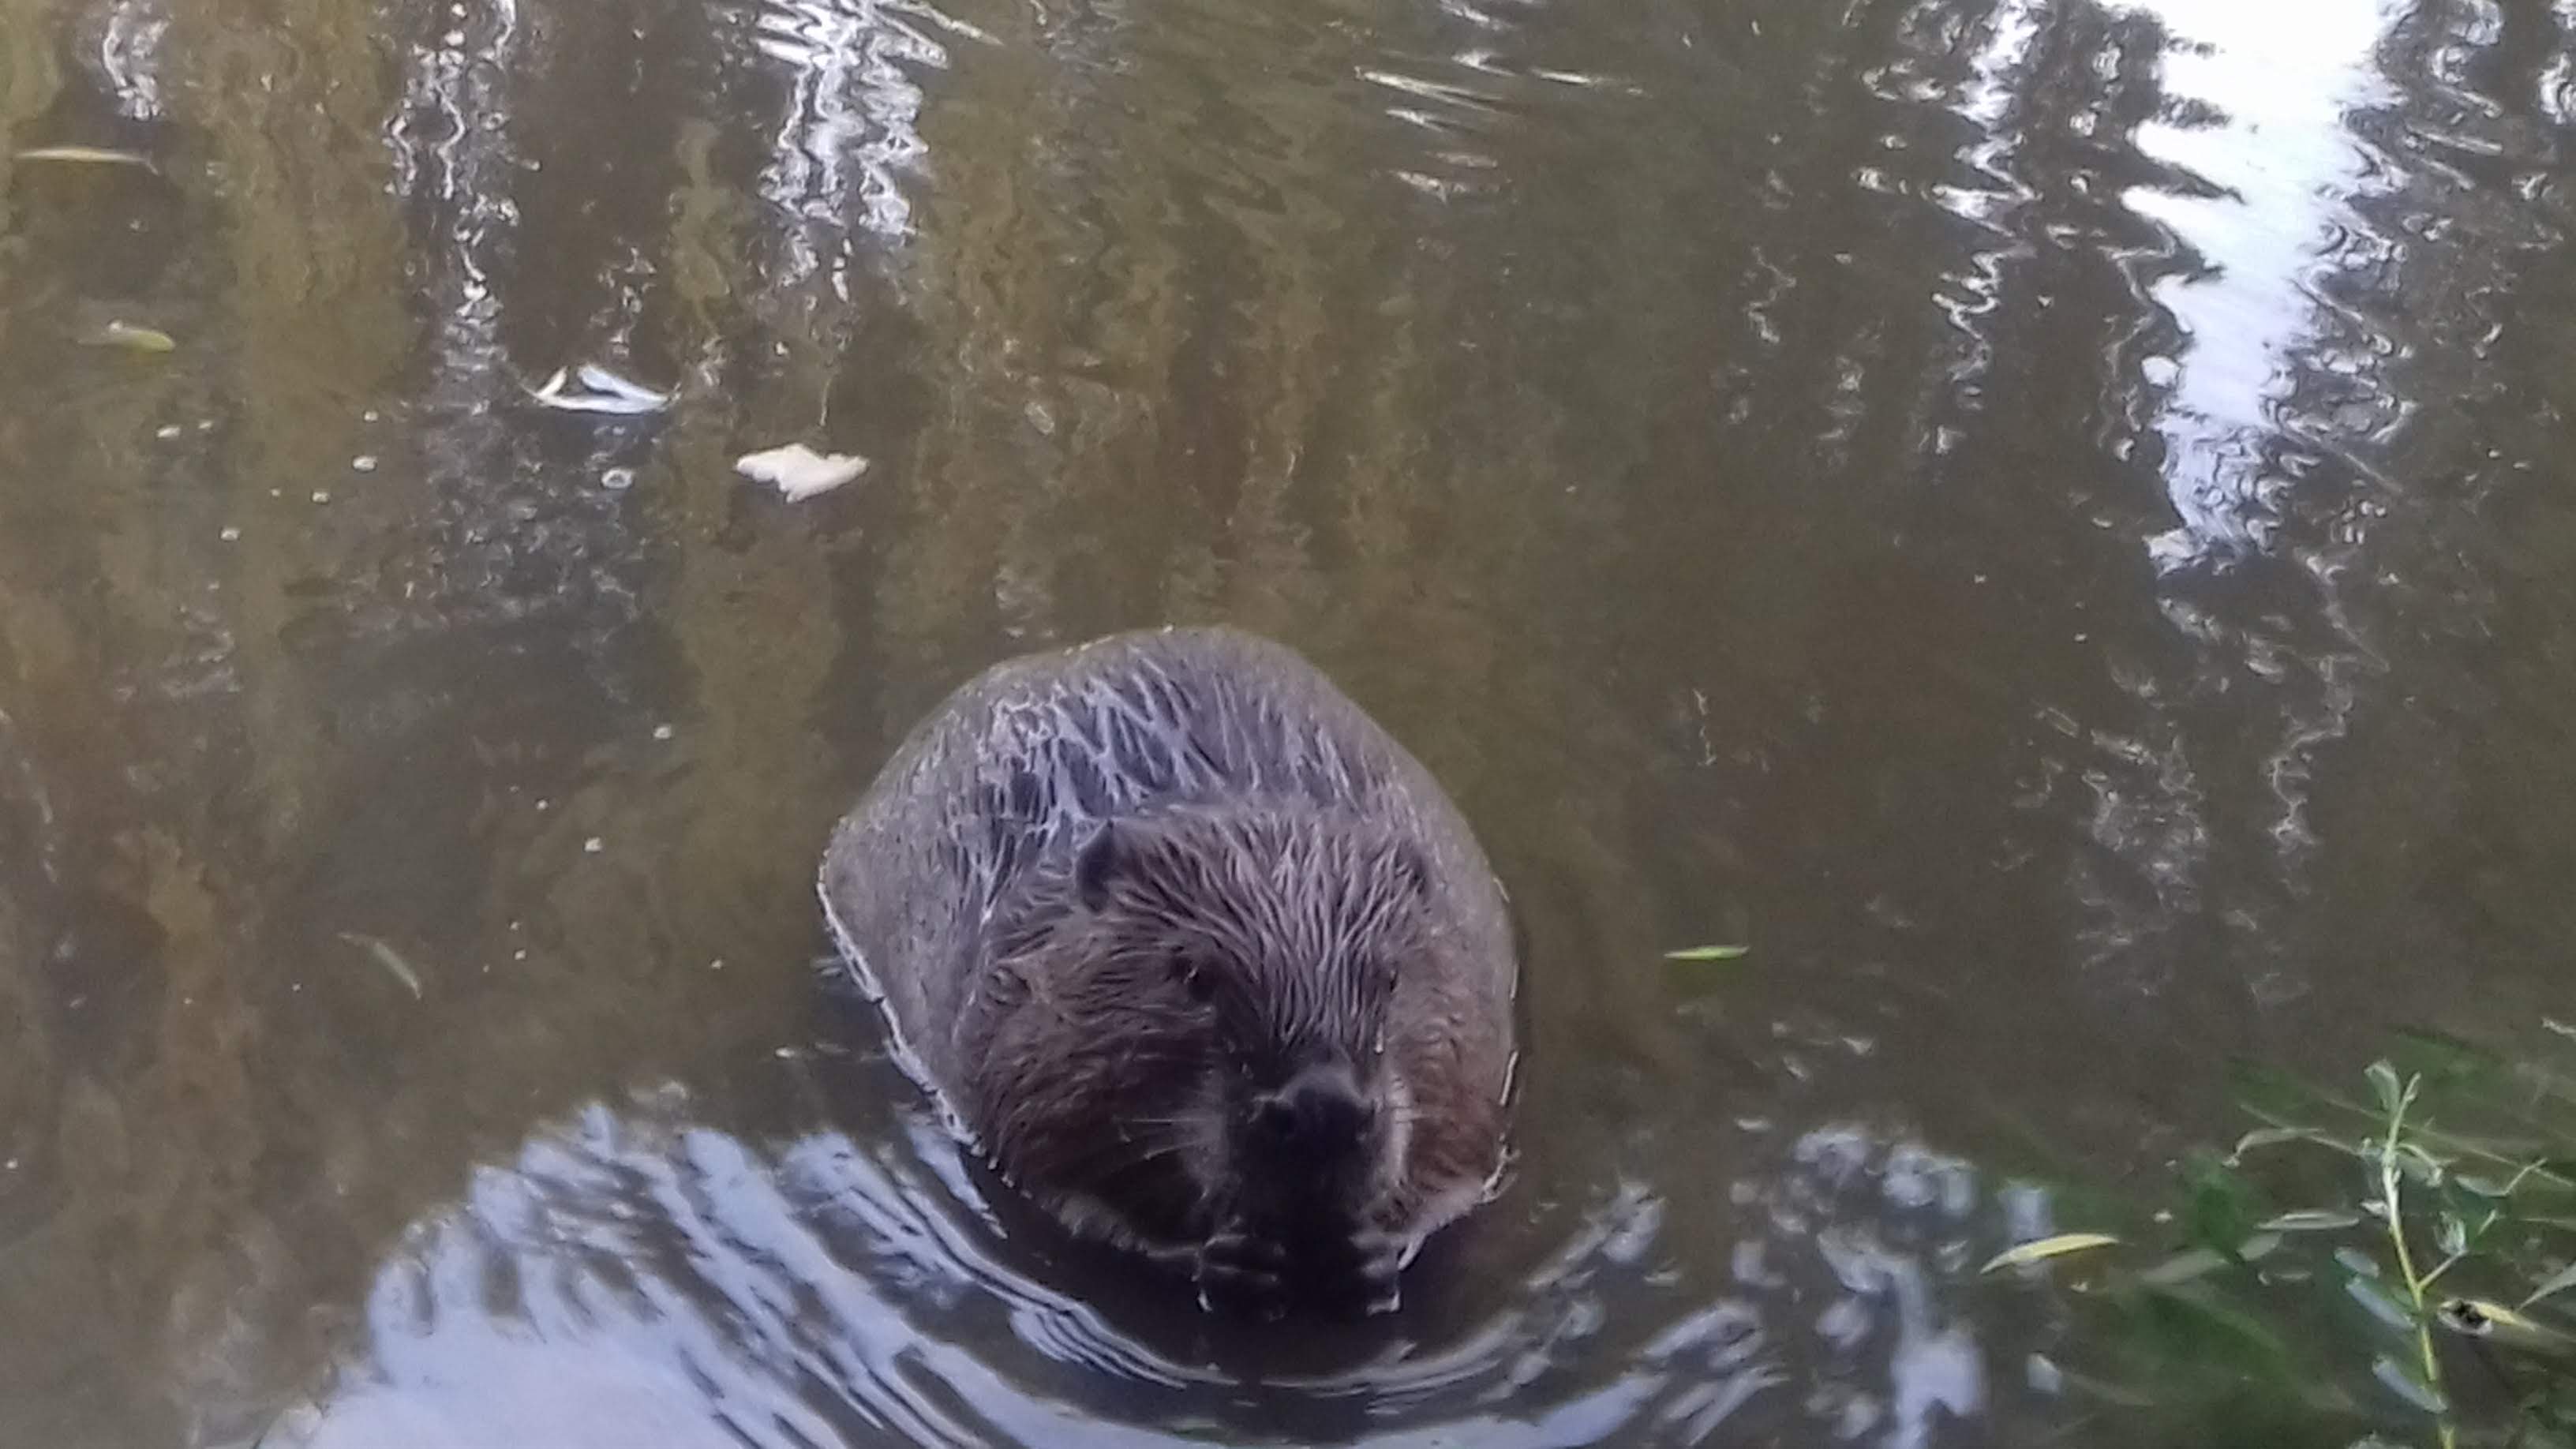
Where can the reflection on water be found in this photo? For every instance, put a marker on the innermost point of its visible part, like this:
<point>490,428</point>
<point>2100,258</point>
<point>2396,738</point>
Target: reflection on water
<point>2037,516</point>
<point>633,1273</point>
<point>2260,133</point>
<point>129,56</point>
<point>847,129</point>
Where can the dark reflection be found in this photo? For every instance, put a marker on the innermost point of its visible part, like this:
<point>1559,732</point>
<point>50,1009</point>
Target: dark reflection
<point>2041,518</point>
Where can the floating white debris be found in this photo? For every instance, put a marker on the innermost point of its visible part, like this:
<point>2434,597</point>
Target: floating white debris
<point>591,388</point>
<point>230,534</point>
<point>594,845</point>
<point>617,480</point>
<point>662,732</point>
<point>364,462</point>
<point>321,495</point>
<point>798,472</point>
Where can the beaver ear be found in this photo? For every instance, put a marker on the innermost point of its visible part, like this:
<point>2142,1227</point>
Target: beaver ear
<point>1102,859</point>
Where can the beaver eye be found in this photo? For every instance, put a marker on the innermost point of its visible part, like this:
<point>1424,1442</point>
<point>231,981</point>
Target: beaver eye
<point>1194,977</point>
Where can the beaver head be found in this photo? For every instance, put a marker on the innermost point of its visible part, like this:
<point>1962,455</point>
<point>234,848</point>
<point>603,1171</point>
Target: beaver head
<point>1185,1036</point>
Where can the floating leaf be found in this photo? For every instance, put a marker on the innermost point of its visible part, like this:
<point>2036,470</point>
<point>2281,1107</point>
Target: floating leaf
<point>2045,1248</point>
<point>2311,1220</point>
<point>1708,953</point>
<point>2555,1283</point>
<point>132,338</point>
<point>386,956</point>
<point>88,156</point>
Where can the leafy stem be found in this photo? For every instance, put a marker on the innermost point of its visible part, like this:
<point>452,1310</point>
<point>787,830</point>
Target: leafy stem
<point>2389,1177</point>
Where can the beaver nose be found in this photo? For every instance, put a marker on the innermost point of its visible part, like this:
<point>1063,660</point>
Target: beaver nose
<point>1320,1108</point>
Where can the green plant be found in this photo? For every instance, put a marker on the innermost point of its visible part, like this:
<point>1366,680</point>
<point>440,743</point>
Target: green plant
<point>2420,1296</point>
<point>2488,1185</point>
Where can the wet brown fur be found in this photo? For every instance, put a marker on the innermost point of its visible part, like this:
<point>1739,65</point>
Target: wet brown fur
<point>1114,895</point>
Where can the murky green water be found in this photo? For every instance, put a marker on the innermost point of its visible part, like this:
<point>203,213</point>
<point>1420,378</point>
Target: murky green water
<point>2049,520</point>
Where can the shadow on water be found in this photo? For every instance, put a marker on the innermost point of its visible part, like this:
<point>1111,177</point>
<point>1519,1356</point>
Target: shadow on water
<point>2039,517</point>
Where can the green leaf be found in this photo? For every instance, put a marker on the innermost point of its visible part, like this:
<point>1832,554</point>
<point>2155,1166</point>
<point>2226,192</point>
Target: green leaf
<point>2419,1164</point>
<point>2277,1097</point>
<point>1708,953</point>
<point>2447,1062</point>
<point>2382,1301</point>
<point>2208,1325</point>
<point>2045,1248</point>
<point>2267,1137</point>
<point>2224,1207</point>
<point>2275,1136</point>
<point>2478,1318</point>
<point>2384,1084</point>
<point>2555,1283</point>
<point>2182,1267</point>
<point>2193,1263</point>
<point>2310,1220</point>
<point>2407,1382</point>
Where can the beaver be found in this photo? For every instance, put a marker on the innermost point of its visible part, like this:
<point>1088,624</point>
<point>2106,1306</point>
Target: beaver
<point>1195,955</point>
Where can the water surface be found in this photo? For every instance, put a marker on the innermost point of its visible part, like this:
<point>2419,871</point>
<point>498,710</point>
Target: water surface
<point>2042,517</point>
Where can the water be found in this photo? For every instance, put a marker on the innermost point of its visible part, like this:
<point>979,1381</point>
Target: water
<point>2044,519</point>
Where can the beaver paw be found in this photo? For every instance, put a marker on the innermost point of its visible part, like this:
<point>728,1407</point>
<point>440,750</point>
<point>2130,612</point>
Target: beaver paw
<point>1242,1267</point>
<point>1381,1256</point>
